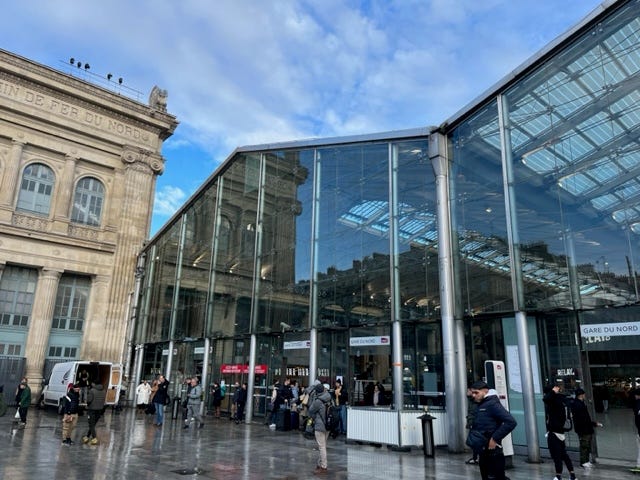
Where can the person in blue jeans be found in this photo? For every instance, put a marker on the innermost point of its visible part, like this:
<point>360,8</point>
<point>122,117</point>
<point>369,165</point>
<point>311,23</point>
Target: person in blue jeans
<point>160,399</point>
<point>340,399</point>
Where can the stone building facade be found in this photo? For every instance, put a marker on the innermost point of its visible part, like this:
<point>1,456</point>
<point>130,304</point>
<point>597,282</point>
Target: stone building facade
<point>78,168</point>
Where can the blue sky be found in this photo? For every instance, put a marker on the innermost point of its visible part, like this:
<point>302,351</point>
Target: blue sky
<point>242,72</point>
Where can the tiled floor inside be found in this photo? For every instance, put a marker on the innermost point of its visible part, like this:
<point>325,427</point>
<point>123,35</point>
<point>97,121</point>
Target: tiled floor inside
<point>131,447</point>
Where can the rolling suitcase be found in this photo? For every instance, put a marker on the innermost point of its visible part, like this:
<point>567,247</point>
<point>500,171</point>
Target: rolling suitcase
<point>283,420</point>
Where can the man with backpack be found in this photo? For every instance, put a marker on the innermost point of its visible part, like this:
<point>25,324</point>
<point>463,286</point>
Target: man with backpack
<point>557,420</point>
<point>318,412</point>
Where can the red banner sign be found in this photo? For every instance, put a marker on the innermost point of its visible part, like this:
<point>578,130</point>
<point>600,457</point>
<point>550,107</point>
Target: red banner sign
<point>230,368</point>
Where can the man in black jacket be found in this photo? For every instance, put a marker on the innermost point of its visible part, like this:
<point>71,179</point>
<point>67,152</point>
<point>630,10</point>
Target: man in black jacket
<point>556,415</point>
<point>491,424</point>
<point>70,405</point>
<point>584,426</point>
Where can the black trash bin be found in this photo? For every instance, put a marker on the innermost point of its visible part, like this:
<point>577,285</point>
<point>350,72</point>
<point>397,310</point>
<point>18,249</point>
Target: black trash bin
<point>177,408</point>
<point>427,435</point>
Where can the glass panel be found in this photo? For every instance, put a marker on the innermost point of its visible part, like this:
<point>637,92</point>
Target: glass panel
<point>479,228</point>
<point>230,309</point>
<point>577,170</point>
<point>285,262</point>
<point>353,241</point>
<point>417,232</point>
<point>161,293</point>
<point>196,264</point>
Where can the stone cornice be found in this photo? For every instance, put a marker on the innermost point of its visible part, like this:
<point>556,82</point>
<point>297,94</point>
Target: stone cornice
<point>50,76</point>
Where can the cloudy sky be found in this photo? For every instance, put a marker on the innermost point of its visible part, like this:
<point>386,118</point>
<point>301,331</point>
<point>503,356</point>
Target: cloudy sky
<point>243,72</point>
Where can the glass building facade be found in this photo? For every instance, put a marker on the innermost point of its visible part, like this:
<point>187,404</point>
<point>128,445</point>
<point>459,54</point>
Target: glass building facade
<point>410,258</point>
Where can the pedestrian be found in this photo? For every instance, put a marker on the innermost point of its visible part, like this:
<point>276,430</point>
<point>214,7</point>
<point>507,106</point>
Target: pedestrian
<point>216,399</point>
<point>194,402</point>
<point>83,380</point>
<point>317,411</point>
<point>583,426</point>
<point>23,399</point>
<point>151,407</point>
<point>160,399</point>
<point>274,405</point>
<point>491,424</point>
<point>556,418</point>
<point>472,410</point>
<point>340,399</point>
<point>185,399</point>
<point>635,399</point>
<point>70,406</point>
<point>143,393</point>
<point>95,408</point>
<point>241,401</point>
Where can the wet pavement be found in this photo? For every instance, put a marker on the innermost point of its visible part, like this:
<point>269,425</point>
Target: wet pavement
<point>131,447</point>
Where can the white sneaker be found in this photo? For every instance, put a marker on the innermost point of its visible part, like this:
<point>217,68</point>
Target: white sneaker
<point>588,465</point>
<point>273,425</point>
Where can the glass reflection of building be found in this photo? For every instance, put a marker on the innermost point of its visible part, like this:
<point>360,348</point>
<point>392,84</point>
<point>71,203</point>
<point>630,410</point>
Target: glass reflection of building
<point>323,258</point>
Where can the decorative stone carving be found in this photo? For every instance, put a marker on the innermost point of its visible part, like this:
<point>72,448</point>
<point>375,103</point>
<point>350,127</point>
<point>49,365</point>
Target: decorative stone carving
<point>84,233</point>
<point>141,159</point>
<point>31,223</point>
<point>158,99</point>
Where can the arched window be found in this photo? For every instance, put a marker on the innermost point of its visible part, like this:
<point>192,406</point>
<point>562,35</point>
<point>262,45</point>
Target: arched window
<point>36,188</point>
<point>87,202</point>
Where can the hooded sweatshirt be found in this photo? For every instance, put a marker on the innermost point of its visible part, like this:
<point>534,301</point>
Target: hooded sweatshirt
<point>96,397</point>
<point>317,410</point>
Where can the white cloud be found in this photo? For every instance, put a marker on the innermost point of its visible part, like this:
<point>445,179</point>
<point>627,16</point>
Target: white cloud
<point>168,200</point>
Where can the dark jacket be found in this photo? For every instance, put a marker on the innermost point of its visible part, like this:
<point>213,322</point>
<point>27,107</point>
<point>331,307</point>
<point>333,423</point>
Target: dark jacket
<point>25,397</point>
<point>241,396</point>
<point>636,413</point>
<point>96,397</point>
<point>492,419</point>
<point>582,423</point>
<point>216,395</point>
<point>317,410</point>
<point>556,415</point>
<point>70,402</point>
<point>162,395</point>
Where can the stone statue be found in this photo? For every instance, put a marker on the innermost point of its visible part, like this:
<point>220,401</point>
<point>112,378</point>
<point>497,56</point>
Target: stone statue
<point>158,99</point>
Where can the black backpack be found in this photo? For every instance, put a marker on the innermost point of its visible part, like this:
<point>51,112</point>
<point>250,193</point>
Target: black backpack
<point>332,419</point>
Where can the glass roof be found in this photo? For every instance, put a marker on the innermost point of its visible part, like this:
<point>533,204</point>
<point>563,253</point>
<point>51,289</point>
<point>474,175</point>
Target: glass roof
<point>577,120</point>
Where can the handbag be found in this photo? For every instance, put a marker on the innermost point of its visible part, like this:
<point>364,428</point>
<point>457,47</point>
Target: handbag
<point>17,415</point>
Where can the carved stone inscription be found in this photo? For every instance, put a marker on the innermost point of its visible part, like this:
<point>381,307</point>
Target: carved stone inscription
<point>53,105</point>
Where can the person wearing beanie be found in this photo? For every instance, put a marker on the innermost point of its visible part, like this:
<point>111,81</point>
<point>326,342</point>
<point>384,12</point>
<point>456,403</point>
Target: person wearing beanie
<point>584,426</point>
<point>555,404</point>
<point>70,406</point>
<point>491,424</point>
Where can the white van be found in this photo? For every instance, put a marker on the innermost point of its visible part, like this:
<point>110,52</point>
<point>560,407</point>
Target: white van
<point>107,373</point>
